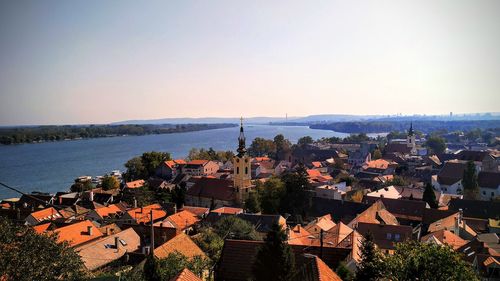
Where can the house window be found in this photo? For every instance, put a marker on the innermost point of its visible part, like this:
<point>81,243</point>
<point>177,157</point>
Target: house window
<point>389,236</point>
<point>246,170</point>
<point>492,194</point>
<point>237,170</point>
<point>397,237</point>
<point>484,192</point>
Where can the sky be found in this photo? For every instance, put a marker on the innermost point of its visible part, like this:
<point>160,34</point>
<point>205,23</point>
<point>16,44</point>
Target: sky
<point>80,62</point>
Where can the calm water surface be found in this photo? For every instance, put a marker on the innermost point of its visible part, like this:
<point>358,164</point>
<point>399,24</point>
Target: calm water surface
<point>52,166</point>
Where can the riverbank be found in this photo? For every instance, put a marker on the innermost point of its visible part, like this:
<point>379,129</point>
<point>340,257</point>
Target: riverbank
<point>41,134</point>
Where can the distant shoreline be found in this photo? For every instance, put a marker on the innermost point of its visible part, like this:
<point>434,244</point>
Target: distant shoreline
<point>43,134</point>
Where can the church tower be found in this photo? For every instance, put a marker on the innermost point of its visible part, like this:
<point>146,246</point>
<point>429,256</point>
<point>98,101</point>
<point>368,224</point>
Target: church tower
<point>242,169</point>
<point>410,140</point>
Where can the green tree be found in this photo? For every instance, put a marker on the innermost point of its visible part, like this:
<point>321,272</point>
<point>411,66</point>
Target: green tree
<point>210,242</point>
<point>275,260</point>
<point>296,197</point>
<point>283,146</point>
<point>252,203</point>
<point>371,266</point>
<point>110,182</point>
<point>429,196</point>
<point>436,144</point>
<point>343,272</point>
<point>413,260</point>
<point>469,181</point>
<point>179,195</point>
<point>81,186</point>
<point>210,154</point>
<point>262,147</point>
<point>135,169</point>
<point>152,160</point>
<point>303,141</point>
<point>26,255</point>
<point>376,154</point>
<point>235,228</point>
<point>271,193</point>
<point>166,268</point>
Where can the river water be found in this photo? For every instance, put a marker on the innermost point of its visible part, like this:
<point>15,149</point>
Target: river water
<point>52,166</point>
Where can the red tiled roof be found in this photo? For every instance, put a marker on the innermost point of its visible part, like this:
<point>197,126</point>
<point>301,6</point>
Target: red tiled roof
<point>185,275</point>
<point>46,214</point>
<point>219,189</point>
<point>183,219</point>
<point>228,210</point>
<point>180,243</point>
<point>41,228</point>
<point>446,237</point>
<point>313,173</point>
<point>106,211</point>
<point>143,214</point>
<point>77,233</point>
<point>198,162</point>
<point>316,164</point>
<point>324,272</point>
<point>135,184</point>
<point>199,211</point>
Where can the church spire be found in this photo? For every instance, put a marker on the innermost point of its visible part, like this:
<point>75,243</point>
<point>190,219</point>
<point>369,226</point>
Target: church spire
<point>410,132</point>
<point>241,141</point>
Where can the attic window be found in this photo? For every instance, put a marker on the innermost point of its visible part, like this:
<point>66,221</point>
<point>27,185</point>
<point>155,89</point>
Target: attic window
<point>123,242</point>
<point>389,236</point>
<point>397,237</point>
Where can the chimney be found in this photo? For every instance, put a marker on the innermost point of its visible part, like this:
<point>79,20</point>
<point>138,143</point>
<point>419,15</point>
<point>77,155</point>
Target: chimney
<point>175,209</point>
<point>60,200</point>
<point>287,232</point>
<point>117,242</point>
<point>142,210</point>
<point>91,196</point>
<point>89,230</point>
<point>135,203</point>
<point>107,231</point>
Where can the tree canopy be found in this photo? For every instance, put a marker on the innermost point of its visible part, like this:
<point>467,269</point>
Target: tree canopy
<point>26,255</point>
<point>261,147</point>
<point>275,259</point>
<point>235,228</point>
<point>436,144</point>
<point>145,166</point>
<point>166,268</point>
<point>109,182</point>
<point>210,154</point>
<point>429,196</point>
<point>414,260</point>
<point>469,181</point>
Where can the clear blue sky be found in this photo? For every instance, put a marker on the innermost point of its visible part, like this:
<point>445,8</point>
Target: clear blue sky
<point>103,61</point>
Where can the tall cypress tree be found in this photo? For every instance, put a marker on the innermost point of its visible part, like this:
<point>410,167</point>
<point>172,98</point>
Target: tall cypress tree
<point>469,181</point>
<point>275,260</point>
<point>371,266</point>
<point>429,196</point>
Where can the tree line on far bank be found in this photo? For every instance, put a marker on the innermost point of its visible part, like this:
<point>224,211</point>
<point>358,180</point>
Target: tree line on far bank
<point>30,134</point>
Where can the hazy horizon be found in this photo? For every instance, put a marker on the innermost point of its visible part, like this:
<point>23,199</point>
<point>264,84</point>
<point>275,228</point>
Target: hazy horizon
<point>98,62</point>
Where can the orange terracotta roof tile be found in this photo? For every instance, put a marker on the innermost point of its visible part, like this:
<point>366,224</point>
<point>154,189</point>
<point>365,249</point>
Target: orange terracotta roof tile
<point>77,233</point>
<point>316,164</point>
<point>135,184</point>
<point>41,228</point>
<point>185,275</point>
<point>491,260</point>
<point>298,235</point>
<point>313,173</point>
<point>180,243</point>
<point>261,159</point>
<point>324,272</point>
<point>106,211</point>
<point>46,214</point>
<point>446,237</point>
<point>182,220</point>
<point>143,214</point>
<point>228,210</point>
<point>198,162</point>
